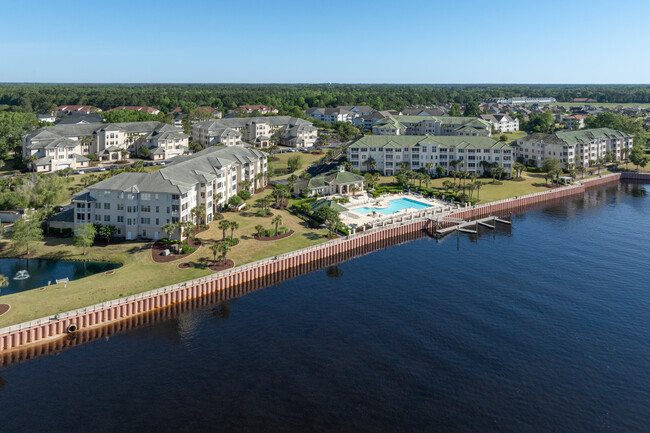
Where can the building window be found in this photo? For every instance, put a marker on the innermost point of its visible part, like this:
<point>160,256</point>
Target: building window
<point>107,218</point>
<point>120,219</point>
<point>107,206</point>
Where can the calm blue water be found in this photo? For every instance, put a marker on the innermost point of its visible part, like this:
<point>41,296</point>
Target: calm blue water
<point>394,206</point>
<point>43,271</point>
<point>541,327</point>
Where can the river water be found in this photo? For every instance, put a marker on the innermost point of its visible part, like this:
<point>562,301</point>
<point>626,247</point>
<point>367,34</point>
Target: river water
<point>542,326</point>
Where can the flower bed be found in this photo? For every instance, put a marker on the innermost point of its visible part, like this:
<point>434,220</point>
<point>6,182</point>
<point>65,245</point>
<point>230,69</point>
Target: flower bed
<point>158,248</point>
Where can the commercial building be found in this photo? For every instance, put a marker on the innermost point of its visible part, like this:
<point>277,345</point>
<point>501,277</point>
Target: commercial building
<point>139,204</point>
<point>387,154</point>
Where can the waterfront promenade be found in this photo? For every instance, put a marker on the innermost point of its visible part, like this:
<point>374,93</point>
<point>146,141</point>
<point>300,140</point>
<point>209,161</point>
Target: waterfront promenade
<point>49,328</point>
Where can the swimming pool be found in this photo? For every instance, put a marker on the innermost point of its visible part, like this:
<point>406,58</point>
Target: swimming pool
<point>393,206</point>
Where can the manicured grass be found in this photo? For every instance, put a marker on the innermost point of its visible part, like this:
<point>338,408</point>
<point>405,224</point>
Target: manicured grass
<point>533,182</point>
<point>512,136</point>
<point>278,169</point>
<point>139,272</point>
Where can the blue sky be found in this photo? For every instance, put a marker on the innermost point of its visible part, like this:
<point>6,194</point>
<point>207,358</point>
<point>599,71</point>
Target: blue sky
<point>277,41</point>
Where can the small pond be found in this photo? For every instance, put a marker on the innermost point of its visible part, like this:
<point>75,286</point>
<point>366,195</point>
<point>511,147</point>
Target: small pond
<point>43,271</point>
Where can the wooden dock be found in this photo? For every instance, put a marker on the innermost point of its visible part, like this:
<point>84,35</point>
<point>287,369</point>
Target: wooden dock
<point>470,227</point>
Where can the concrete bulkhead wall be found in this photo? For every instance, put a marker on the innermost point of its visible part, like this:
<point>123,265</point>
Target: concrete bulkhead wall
<point>28,334</point>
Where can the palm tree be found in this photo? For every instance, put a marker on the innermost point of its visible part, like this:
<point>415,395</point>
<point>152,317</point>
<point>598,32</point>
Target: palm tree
<point>234,225</point>
<point>403,165</point>
<point>440,170</point>
<point>354,189</point>
<point>371,164</point>
<point>224,225</point>
<point>215,249</point>
<point>485,165</point>
<point>519,168</point>
<point>277,220</point>
<point>258,180</point>
<point>189,228</point>
<point>478,185</point>
<point>429,166</point>
<point>223,249</point>
<point>169,229</point>
<point>4,281</point>
<point>259,229</point>
<point>245,184</point>
<point>199,213</point>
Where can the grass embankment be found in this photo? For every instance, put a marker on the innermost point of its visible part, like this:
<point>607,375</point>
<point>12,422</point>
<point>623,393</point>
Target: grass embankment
<point>139,272</point>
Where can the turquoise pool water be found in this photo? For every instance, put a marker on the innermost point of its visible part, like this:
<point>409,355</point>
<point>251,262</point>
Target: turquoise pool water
<point>393,206</point>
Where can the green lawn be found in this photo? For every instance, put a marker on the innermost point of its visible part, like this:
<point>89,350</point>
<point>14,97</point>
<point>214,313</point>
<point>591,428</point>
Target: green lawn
<point>139,272</point>
<point>279,169</point>
<point>512,136</point>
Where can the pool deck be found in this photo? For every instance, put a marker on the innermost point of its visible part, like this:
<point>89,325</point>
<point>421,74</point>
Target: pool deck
<point>382,202</point>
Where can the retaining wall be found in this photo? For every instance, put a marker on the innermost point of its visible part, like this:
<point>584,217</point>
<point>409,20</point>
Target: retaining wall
<point>282,267</point>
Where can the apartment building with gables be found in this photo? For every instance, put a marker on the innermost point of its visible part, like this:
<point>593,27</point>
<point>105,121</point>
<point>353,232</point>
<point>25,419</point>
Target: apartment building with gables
<point>139,204</point>
<point>259,131</point>
<point>434,125</point>
<point>582,147</point>
<point>390,152</point>
<point>68,146</point>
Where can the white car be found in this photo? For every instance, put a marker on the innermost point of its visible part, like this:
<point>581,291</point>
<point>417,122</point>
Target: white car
<point>101,169</point>
<point>79,172</point>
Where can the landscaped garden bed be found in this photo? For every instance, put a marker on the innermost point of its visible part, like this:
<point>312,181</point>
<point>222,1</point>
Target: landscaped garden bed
<point>160,246</point>
<point>222,265</point>
<point>274,237</point>
<point>4,308</point>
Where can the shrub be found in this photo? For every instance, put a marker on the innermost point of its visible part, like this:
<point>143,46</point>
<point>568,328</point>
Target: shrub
<point>235,201</point>
<point>244,194</point>
<point>67,232</point>
<point>282,230</point>
<point>186,249</point>
<point>263,212</point>
<point>232,242</point>
<point>55,231</point>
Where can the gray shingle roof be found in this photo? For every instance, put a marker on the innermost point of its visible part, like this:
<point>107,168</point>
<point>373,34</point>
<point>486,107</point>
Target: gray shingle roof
<point>183,173</point>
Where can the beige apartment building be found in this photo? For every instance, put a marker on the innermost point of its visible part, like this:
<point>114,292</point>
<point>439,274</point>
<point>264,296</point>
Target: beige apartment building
<point>259,131</point>
<point>62,146</point>
<point>139,204</point>
<point>433,125</point>
<point>415,152</point>
<point>583,147</point>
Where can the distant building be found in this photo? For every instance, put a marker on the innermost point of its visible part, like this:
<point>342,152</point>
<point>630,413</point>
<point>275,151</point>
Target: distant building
<point>80,119</point>
<point>573,147</point>
<point>334,182</point>
<point>434,125</point>
<point>46,118</point>
<point>149,110</point>
<point>575,121</point>
<point>259,131</point>
<point>520,100</point>
<point>69,109</point>
<point>584,100</point>
<point>67,146</point>
<point>250,109</point>
<point>502,122</point>
<point>331,115</point>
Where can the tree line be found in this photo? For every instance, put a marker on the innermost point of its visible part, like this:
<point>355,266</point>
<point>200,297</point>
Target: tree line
<point>42,98</point>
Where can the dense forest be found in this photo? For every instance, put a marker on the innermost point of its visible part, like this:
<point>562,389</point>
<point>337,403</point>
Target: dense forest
<point>41,98</point>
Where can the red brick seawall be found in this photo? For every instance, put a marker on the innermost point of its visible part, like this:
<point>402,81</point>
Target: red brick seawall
<point>99,315</point>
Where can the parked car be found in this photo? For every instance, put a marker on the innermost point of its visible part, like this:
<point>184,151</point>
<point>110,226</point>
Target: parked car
<point>79,172</point>
<point>101,169</point>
